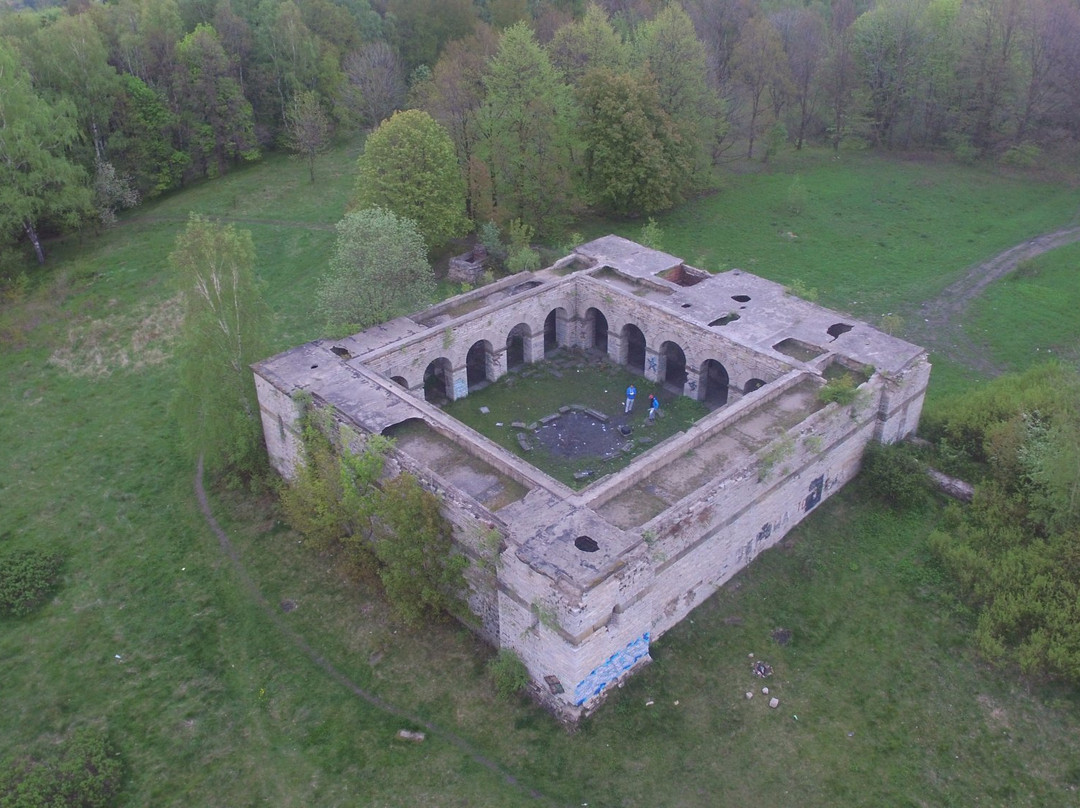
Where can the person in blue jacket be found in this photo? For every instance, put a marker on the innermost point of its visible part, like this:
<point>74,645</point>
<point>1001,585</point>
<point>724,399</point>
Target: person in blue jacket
<point>631,393</point>
<point>654,408</point>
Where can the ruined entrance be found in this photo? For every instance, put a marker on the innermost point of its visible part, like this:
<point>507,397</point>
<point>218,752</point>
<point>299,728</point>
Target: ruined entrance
<point>476,364</point>
<point>516,341</point>
<point>634,345</point>
<point>437,381</point>
<point>714,383</point>
<point>674,369</point>
<point>597,330</point>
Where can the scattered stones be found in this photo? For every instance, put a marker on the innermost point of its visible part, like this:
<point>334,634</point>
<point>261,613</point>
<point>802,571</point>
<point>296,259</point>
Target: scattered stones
<point>523,442</point>
<point>581,475</point>
<point>484,410</point>
<point>649,703</point>
<point>774,702</point>
<point>749,694</point>
<point>518,424</point>
<point>409,735</point>
<point>764,691</point>
<point>564,410</point>
<point>547,419</point>
<point>761,669</point>
<point>533,426</point>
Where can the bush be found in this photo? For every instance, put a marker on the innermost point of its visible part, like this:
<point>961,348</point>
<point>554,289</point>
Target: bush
<point>841,390</point>
<point>894,475</point>
<point>26,580</point>
<point>84,772</point>
<point>508,672</point>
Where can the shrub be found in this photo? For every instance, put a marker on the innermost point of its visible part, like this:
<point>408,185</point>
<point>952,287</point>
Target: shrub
<point>841,390</point>
<point>84,771</point>
<point>508,672</point>
<point>651,235</point>
<point>26,580</point>
<point>894,475</point>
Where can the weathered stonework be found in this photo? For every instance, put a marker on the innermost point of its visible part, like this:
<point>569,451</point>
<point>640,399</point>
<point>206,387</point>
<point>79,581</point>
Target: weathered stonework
<point>580,583</point>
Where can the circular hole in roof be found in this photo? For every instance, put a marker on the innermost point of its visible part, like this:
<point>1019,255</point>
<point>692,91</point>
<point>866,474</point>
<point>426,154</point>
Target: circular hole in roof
<point>836,329</point>
<point>686,305</point>
<point>741,298</point>
<point>586,544</point>
<point>730,317</point>
<point>314,366</point>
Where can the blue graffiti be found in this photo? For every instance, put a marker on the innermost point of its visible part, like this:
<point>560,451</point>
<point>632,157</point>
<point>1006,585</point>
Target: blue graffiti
<point>616,665</point>
<point>693,385</point>
<point>652,363</point>
<point>461,389</point>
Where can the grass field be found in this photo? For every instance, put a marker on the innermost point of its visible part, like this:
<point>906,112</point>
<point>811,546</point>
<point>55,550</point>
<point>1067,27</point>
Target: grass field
<point>210,699</point>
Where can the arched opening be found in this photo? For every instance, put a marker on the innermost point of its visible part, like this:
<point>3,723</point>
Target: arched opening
<point>476,364</point>
<point>753,384</point>
<point>400,381</point>
<point>714,383</point>
<point>516,341</point>
<point>674,374</point>
<point>597,330</point>
<point>437,381</point>
<point>554,330</point>
<point>634,345</point>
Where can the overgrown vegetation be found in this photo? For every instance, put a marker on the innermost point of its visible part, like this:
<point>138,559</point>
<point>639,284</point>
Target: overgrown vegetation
<point>894,475</point>
<point>1016,550</point>
<point>83,771</point>
<point>392,529</point>
<point>27,578</point>
<point>508,673</point>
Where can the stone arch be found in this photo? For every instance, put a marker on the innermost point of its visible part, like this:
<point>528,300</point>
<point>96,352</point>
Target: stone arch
<point>554,330</point>
<point>596,330</point>
<point>713,388</point>
<point>752,385</point>
<point>478,364</point>
<point>400,381</point>
<point>439,381</point>
<point>518,346</point>
<point>672,371</point>
<point>633,348</point>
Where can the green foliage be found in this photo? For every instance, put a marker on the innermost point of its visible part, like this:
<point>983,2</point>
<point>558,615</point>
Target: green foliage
<point>635,159</point>
<point>393,529</point>
<point>38,183</point>
<point>27,578</point>
<point>652,234</point>
<point>521,256</point>
<point>777,453</point>
<point>307,128</point>
<point>379,269</point>
<point>83,772</point>
<point>491,238</point>
<point>1014,552</point>
<point>508,673</point>
<point>409,167</point>
<point>224,332</point>
<point>841,390</point>
<point>797,196</point>
<point>894,475</point>
<point>421,574</point>
<point>526,122</point>
<point>1025,155</point>
<point>799,288</point>
<point>775,140</point>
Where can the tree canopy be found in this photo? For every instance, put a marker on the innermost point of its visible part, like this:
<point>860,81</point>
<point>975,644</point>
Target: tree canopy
<point>409,167</point>
<point>379,269</point>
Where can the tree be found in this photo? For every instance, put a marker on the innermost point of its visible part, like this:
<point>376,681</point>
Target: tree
<point>38,183</point>
<point>307,128</point>
<point>761,68</point>
<point>422,27</point>
<point>668,46</point>
<point>409,167</point>
<point>420,572</point>
<point>526,126</point>
<point>635,161</point>
<point>374,85</point>
<point>219,126</point>
<point>379,269</point>
<point>591,43</point>
<point>803,32</point>
<point>225,322</point>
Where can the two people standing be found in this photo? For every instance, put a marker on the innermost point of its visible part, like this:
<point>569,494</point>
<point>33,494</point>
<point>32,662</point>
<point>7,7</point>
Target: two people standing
<point>654,403</point>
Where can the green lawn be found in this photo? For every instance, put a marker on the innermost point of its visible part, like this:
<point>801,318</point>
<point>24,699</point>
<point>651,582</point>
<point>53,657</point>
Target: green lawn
<point>211,700</point>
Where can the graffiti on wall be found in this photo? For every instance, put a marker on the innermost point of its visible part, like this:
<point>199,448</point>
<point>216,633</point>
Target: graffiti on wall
<point>612,668</point>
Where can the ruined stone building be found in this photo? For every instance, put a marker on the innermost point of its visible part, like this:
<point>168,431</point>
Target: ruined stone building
<point>579,583</point>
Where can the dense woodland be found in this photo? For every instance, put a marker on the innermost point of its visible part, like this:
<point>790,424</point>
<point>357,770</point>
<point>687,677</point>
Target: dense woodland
<point>553,106</point>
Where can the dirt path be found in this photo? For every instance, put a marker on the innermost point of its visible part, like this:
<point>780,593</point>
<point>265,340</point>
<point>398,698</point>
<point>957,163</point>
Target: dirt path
<point>937,323</point>
<point>327,667</point>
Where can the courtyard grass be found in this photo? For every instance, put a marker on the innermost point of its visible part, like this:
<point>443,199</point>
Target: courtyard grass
<point>567,379</point>
<point>154,634</point>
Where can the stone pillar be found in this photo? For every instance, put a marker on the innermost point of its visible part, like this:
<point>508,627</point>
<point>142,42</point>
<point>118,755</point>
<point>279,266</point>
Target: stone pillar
<point>496,365</point>
<point>459,383</point>
<point>534,348</point>
<point>652,365</point>
<point>692,388</point>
